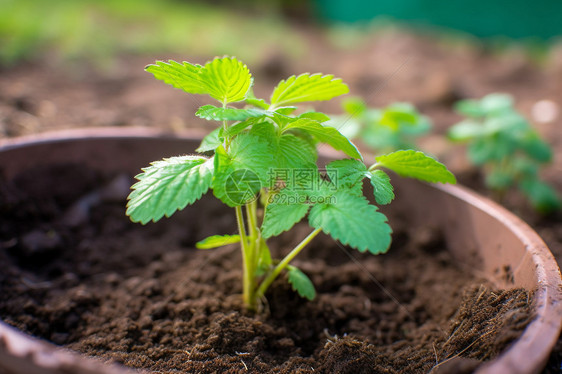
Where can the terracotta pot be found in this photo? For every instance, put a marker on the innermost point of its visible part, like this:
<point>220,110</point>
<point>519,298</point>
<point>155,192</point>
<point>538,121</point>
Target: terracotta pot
<point>483,236</point>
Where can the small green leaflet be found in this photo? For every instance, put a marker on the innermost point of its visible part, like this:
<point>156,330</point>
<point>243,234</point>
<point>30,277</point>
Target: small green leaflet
<point>224,79</point>
<point>301,283</point>
<point>351,220</point>
<point>259,103</point>
<point>227,79</point>
<point>347,173</point>
<point>327,135</point>
<point>383,190</point>
<point>281,217</point>
<point>288,151</point>
<point>211,141</point>
<point>184,76</point>
<point>296,153</point>
<point>316,116</point>
<point>416,164</point>
<point>285,110</point>
<point>350,173</point>
<point>307,87</point>
<point>213,113</point>
<point>169,185</point>
<point>217,241</point>
<point>242,171</point>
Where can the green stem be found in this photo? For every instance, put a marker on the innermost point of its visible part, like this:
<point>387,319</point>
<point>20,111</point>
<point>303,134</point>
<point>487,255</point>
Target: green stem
<point>373,167</point>
<point>283,264</point>
<point>251,213</point>
<point>224,128</point>
<point>248,276</point>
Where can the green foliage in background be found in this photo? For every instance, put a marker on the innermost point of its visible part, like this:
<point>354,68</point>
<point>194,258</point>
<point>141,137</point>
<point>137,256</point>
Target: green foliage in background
<point>99,29</point>
<point>384,130</point>
<point>507,147</point>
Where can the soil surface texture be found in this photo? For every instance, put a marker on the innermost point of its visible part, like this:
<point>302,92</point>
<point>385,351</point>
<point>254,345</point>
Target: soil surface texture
<point>77,272</point>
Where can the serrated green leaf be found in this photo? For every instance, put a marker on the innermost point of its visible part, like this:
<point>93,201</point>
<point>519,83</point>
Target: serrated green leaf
<point>286,110</point>
<point>237,128</point>
<point>416,164</point>
<point>216,241</point>
<point>349,127</point>
<point>301,283</point>
<point>288,151</point>
<point>351,220</point>
<point>213,113</point>
<point>327,135</point>
<point>210,142</point>
<point>348,173</point>
<point>242,171</point>
<point>251,99</point>
<point>282,217</point>
<point>295,153</point>
<point>282,120</point>
<point>258,103</point>
<point>169,185</point>
<point>382,188</point>
<point>316,116</point>
<point>184,76</point>
<point>227,79</point>
<point>266,132</point>
<point>307,87</point>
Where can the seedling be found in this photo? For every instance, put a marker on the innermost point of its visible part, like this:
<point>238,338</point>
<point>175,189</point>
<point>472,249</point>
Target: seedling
<point>507,147</point>
<point>261,161</point>
<point>385,130</point>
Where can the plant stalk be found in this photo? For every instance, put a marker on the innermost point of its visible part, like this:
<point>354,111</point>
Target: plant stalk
<point>283,264</point>
<point>247,274</point>
<point>251,216</point>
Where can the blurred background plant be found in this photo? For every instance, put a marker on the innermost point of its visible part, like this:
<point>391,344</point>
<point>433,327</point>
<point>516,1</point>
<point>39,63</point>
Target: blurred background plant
<point>507,148</point>
<point>384,130</point>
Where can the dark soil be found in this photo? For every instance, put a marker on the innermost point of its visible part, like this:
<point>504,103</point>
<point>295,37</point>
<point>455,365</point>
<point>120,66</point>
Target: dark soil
<point>76,272</point>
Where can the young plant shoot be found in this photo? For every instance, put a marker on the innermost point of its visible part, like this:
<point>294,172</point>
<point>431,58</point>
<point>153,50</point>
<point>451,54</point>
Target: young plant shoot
<point>263,164</point>
<point>508,148</point>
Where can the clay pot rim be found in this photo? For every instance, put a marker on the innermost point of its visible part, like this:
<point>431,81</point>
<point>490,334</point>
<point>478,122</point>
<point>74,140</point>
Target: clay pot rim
<point>534,344</point>
<point>540,336</point>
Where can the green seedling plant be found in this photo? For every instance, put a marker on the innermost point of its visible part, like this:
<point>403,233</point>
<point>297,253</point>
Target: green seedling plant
<point>389,129</point>
<point>261,160</point>
<point>507,147</point>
